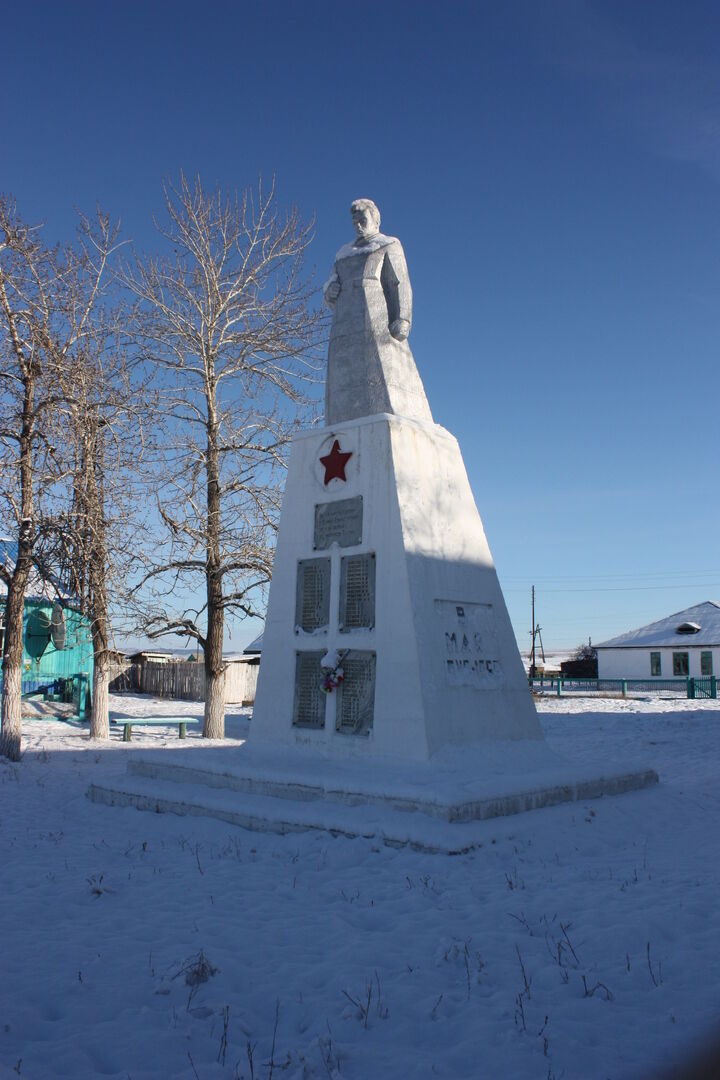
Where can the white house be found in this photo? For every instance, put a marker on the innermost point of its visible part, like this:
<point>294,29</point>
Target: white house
<point>684,644</point>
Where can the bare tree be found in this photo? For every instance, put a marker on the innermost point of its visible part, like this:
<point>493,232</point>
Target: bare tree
<point>42,321</point>
<point>102,419</point>
<point>228,319</point>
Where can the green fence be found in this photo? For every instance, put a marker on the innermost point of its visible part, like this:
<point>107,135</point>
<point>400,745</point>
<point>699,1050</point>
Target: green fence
<point>705,687</point>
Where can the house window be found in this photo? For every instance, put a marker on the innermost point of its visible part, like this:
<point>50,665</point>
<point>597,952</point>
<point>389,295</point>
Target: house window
<point>655,663</point>
<point>681,665</point>
<point>706,663</point>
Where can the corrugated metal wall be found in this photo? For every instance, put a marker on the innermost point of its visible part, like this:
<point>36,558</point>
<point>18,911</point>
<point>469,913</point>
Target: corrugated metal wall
<point>42,662</point>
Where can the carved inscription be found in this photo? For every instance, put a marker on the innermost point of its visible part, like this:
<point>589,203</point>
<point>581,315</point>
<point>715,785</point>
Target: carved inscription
<point>469,645</point>
<point>312,594</point>
<point>356,694</point>
<point>309,704</point>
<point>338,522</point>
<point>357,592</point>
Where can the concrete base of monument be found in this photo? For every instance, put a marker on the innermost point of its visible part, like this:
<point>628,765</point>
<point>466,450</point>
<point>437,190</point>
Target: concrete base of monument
<point>444,807</point>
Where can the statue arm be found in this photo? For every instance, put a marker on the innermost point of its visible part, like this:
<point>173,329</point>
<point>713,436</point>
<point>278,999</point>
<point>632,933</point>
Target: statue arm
<point>396,285</point>
<point>331,289</point>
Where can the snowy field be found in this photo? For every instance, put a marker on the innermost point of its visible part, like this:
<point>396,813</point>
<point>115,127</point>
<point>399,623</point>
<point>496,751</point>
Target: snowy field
<point>581,941</point>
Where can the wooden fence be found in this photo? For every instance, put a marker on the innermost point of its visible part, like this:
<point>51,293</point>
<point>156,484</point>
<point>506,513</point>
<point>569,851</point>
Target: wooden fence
<point>186,681</point>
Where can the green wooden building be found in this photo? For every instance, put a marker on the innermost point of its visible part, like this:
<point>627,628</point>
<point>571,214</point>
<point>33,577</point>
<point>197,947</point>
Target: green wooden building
<point>57,643</point>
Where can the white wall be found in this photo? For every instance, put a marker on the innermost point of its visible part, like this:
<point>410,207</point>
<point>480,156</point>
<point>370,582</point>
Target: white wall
<point>635,663</point>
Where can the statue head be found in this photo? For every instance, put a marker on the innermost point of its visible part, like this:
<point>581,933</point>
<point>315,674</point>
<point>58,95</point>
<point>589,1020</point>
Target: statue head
<point>365,218</point>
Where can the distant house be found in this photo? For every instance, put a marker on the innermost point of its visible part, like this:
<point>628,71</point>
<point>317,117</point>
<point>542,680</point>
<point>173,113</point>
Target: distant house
<point>241,675</point>
<point>57,642</point>
<point>255,646</point>
<point>157,656</point>
<point>681,645</point>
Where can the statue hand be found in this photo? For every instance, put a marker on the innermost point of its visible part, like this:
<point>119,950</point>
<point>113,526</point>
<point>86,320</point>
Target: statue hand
<point>332,291</point>
<point>400,329</point>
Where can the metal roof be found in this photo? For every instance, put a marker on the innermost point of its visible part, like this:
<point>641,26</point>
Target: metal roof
<point>47,588</point>
<point>665,632</point>
<point>255,646</point>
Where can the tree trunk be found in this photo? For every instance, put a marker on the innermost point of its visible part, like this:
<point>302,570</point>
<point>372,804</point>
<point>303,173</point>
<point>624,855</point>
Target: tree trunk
<point>11,733</point>
<point>95,525</point>
<point>214,724</point>
<point>11,727</point>
<point>99,716</point>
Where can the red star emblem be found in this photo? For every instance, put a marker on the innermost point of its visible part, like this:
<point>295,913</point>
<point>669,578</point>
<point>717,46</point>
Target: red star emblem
<point>335,463</point>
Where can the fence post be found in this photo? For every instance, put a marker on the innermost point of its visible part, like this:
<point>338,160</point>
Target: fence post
<point>624,688</point>
<point>559,687</point>
<point>713,686</point>
<point>691,688</point>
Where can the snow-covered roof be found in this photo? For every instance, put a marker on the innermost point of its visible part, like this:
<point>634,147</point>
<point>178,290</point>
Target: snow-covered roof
<point>38,588</point>
<point>706,616</point>
<point>255,646</point>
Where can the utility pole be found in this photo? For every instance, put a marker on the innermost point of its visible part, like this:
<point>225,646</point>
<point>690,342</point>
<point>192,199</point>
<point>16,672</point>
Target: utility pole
<point>536,634</point>
<point>532,632</point>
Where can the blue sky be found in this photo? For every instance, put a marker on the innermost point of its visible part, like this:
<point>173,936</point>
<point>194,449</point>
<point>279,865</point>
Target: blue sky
<point>553,171</point>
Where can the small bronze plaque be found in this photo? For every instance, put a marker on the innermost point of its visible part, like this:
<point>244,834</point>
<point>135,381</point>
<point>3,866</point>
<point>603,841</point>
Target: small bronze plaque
<point>356,694</point>
<point>309,706</point>
<point>357,592</point>
<point>312,594</point>
<point>338,522</point>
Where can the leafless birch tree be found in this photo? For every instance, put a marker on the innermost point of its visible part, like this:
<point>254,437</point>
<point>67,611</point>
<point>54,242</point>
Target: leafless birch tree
<point>228,318</point>
<point>102,419</point>
<point>42,323</point>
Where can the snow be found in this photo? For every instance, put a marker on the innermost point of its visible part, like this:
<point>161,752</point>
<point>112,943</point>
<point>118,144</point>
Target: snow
<point>353,248</point>
<point>705,616</point>
<point>132,938</point>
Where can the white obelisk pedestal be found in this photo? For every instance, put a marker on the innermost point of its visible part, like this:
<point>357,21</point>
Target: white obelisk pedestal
<point>382,559</point>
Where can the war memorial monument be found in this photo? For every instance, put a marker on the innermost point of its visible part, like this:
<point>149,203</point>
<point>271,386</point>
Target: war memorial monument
<point>390,678</point>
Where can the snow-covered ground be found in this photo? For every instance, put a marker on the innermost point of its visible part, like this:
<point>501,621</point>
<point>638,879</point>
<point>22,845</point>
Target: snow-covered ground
<point>581,941</point>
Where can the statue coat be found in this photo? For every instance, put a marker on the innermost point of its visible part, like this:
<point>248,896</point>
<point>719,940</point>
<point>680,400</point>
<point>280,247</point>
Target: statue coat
<point>369,370</point>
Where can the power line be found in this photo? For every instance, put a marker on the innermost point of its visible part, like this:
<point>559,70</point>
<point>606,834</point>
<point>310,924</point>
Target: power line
<point>684,574</point>
<point>623,589</point>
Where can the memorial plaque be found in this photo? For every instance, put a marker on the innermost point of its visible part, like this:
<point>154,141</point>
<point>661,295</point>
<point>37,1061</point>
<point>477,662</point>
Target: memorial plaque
<point>309,706</point>
<point>338,522</point>
<point>470,654</point>
<point>357,592</point>
<point>356,694</point>
<point>312,595</point>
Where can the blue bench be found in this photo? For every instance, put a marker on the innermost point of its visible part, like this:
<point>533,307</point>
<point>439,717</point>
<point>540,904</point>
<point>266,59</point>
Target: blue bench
<point>127,723</point>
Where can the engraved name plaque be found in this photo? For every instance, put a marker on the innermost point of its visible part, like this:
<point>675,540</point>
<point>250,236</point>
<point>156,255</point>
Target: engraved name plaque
<point>356,694</point>
<point>357,592</point>
<point>309,706</point>
<point>312,594</point>
<point>338,522</point>
<point>470,654</point>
